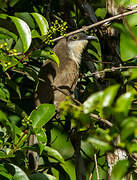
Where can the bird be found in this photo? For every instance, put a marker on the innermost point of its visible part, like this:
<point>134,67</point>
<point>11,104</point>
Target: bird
<point>69,51</point>
<point>65,76</point>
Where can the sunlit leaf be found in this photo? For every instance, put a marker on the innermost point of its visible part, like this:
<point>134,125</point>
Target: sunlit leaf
<point>92,102</point>
<point>19,173</point>
<point>122,105</point>
<point>109,95</point>
<point>47,54</point>
<point>54,153</point>
<point>42,23</point>
<point>42,115</point>
<point>24,31</point>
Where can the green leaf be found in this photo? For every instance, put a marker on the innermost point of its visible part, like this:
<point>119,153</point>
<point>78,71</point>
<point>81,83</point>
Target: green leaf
<point>25,16</point>
<point>40,176</point>
<point>129,127</point>
<point>41,115</point>
<point>99,144</point>
<point>3,16</point>
<point>107,100</point>
<point>19,173</point>
<point>41,136</point>
<point>5,176</point>
<point>92,102</point>
<point>119,170</point>
<point>42,23</point>
<point>13,2</point>
<point>3,155</point>
<point>5,122</point>
<point>8,33</point>
<point>4,93</point>
<point>122,106</point>
<point>54,153</point>
<point>133,74</point>
<point>101,12</point>
<point>13,108</point>
<point>33,75</point>
<point>47,54</point>
<point>109,95</point>
<point>126,42</point>
<point>35,34</point>
<point>132,148</point>
<point>24,32</point>
<point>14,86</point>
<point>4,59</point>
<point>132,20</point>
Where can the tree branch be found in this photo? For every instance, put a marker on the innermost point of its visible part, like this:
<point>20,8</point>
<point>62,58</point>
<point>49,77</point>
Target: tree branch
<point>111,69</point>
<point>85,28</point>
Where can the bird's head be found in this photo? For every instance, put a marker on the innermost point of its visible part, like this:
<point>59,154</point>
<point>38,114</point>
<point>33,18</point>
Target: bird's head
<point>76,44</point>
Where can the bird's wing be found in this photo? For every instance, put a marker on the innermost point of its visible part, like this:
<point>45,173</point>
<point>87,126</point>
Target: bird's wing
<point>44,93</point>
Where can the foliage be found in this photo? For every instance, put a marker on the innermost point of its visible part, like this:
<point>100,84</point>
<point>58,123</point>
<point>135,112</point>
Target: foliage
<point>27,30</point>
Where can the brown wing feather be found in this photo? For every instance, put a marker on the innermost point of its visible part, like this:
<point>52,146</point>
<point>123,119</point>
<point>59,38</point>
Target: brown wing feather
<point>64,77</point>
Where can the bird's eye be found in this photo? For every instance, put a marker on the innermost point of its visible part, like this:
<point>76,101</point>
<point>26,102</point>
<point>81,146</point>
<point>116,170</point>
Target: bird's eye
<point>75,37</point>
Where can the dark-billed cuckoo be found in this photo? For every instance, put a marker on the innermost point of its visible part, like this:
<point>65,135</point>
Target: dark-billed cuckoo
<point>69,51</point>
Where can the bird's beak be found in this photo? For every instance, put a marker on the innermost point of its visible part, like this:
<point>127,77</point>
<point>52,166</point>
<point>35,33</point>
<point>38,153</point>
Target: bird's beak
<point>91,38</point>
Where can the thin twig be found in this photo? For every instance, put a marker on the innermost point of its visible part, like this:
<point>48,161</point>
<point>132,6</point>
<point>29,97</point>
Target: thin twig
<point>90,176</point>
<point>8,75</point>
<point>101,119</point>
<point>111,69</point>
<point>96,165</point>
<point>16,146</point>
<point>85,28</point>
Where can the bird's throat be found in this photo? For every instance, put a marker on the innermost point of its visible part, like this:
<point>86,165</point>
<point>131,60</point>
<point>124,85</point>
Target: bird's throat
<point>75,50</point>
